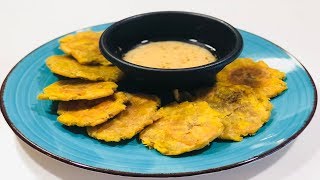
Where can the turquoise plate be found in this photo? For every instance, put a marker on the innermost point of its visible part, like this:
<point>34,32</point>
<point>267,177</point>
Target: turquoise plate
<point>35,122</point>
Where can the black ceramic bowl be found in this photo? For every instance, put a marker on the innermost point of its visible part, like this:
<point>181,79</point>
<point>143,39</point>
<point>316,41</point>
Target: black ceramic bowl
<point>126,34</point>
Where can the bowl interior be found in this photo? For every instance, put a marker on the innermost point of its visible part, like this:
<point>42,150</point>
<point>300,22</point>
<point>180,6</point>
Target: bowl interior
<point>128,33</point>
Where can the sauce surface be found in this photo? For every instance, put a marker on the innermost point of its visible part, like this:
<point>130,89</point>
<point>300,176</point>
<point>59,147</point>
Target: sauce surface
<point>169,55</point>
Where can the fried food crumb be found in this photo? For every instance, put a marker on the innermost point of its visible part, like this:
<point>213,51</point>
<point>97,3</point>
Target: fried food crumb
<point>181,96</point>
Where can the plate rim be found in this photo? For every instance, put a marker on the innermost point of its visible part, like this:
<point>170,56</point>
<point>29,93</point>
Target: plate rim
<point>133,174</point>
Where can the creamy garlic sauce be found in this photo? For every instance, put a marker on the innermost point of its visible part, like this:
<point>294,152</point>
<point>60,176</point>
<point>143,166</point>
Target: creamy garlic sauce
<point>169,55</point>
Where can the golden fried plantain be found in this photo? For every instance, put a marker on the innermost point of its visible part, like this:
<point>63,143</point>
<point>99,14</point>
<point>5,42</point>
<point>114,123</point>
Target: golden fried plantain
<point>245,110</point>
<point>183,128</point>
<point>138,114</point>
<point>258,75</point>
<point>91,112</point>
<point>84,47</point>
<point>68,67</point>
<point>66,90</point>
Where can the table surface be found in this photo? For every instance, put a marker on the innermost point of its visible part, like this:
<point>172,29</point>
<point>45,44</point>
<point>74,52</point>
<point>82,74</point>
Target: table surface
<point>294,25</point>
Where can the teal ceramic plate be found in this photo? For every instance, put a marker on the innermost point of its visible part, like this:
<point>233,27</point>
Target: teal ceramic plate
<point>35,122</point>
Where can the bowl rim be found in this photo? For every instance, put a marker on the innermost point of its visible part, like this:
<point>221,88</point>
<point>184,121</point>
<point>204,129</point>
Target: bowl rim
<point>226,59</point>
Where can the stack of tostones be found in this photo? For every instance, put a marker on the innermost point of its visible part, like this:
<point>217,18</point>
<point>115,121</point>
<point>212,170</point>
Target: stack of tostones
<point>88,96</point>
<point>140,113</point>
<point>242,93</point>
<point>244,110</point>
<point>238,105</point>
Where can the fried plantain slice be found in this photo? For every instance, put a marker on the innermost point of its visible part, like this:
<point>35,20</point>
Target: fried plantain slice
<point>68,67</point>
<point>84,47</point>
<point>91,112</point>
<point>258,75</point>
<point>75,89</point>
<point>183,128</point>
<point>245,110</point>
<point>139,113</point>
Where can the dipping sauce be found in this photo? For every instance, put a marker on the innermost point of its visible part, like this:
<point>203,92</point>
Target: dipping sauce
<point>169,55</point>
